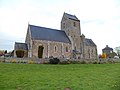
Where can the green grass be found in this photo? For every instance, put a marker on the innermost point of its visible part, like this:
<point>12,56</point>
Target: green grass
<point>59,77</point>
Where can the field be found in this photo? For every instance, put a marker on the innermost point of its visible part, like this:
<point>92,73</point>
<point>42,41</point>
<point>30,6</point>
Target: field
<point>59,77</point>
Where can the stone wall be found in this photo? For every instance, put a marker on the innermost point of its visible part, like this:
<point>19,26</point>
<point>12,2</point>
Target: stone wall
<point>28,41</point>
<point>90,52</point>
<point>73,31</point>
<point>49,49</point>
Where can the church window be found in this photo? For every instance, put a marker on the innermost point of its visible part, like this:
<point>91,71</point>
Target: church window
<point>61,49</point>
<point>55,49</point>
<point>63,25</point>
<point>89,53</point>
<point>74,24</point>
<point>66,49</point>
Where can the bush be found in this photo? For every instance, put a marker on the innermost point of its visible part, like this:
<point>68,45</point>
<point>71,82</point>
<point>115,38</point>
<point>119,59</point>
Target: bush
<point>54,61</point>
<point>13,61</point>
<point>94,62</point>
<point>30,62</point>
<point>20,53</point>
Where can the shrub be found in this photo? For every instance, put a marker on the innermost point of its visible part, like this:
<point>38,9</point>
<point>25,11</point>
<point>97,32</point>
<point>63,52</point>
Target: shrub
<point>20,53</point>
<point>54,61</point>
<point>103,55</point>
<point>30,62</point>
<point>13,61</point>
<point>94,62</point>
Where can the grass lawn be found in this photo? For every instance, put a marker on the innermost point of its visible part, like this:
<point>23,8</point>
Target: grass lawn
<point>59,77</point>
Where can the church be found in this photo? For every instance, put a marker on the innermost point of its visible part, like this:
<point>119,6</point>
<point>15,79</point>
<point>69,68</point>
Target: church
<point>68,42</point>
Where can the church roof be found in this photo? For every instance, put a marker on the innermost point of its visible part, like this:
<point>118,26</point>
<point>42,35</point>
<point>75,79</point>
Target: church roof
<point>22,46</point>
<point>89,42</point>
<point>73,17</point>
<point>43,33</point>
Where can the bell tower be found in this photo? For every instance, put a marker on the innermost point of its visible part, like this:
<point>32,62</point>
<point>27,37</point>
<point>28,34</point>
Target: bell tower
<point>70,22</point>
<point>71,25</point>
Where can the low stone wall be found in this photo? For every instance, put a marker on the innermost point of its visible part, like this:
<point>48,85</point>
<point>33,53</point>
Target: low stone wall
<point>46,60</point>
<point>23,60</point>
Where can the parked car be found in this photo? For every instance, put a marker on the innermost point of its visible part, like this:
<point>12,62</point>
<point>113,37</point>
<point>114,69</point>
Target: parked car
<point>116,57</point>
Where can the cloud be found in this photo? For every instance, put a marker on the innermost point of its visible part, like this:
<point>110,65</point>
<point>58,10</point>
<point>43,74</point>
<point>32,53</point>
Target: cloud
<point>99,18</point>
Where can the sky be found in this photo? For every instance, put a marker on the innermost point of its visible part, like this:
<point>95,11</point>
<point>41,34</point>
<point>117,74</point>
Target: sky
<point>99,19</point>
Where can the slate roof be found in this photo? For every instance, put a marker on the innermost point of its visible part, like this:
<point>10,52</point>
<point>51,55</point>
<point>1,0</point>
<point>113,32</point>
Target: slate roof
<point>89,42</point>
<point>43,33</point>
<point>22,46</point>
<point>107,48</point>
<point>73,17</point>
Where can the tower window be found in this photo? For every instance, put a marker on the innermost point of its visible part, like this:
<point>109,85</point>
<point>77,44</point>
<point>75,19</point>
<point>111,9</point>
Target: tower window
<point>63,25</point>
<point>74,24</point>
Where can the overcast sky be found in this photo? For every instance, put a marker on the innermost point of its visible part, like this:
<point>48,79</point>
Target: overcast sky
<point>100,19</point>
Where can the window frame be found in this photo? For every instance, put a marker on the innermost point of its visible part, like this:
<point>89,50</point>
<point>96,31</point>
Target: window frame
<point>66,49</point>
<point>74,24</point>
<point>55,48</point>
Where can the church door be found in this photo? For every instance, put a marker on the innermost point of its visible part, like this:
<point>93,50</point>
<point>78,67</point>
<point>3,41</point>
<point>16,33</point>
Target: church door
<point>40,51</point>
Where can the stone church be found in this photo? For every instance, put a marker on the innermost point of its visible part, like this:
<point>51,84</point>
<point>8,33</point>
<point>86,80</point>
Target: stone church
<point>68,42</point>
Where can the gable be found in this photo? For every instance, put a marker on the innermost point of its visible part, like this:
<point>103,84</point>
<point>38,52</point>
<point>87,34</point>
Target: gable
<point>42,33</point>
<point>89,42</point>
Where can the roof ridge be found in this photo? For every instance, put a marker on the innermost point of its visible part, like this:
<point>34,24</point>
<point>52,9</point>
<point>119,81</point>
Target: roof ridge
<point>47,28</point>
<point>20,43</point>
<point>70,16</point>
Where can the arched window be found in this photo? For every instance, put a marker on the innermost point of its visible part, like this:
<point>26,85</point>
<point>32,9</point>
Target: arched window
<point>89,53</point>
<point>40,51</point>
<point>55,49</point>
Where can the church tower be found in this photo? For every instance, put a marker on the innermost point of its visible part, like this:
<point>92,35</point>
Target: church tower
<point>71,25</point>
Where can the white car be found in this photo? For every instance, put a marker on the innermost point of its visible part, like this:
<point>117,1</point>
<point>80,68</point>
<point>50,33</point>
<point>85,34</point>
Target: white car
<point>116,57</point>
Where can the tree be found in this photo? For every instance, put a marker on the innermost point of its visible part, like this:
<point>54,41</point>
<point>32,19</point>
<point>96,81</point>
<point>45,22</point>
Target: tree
<point>1,52</point>
<point>103,55</point>
<point>5,51</point>
<point>117,49</point>
<point>20,53</point>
